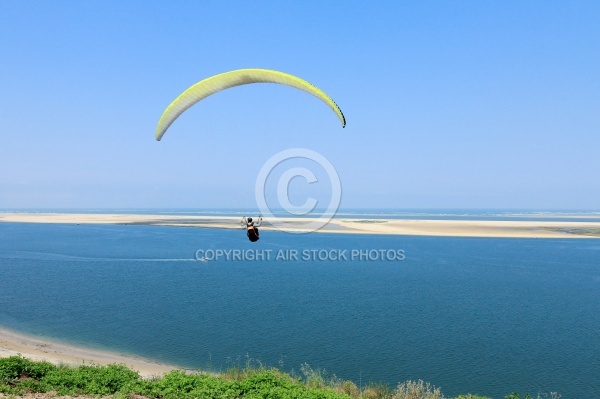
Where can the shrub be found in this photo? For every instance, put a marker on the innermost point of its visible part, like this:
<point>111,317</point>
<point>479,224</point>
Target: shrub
<point>417,390</point>
<point>15,367</point>
<point>349,388</point>
<point>377,391</point>
<point>91,380</point>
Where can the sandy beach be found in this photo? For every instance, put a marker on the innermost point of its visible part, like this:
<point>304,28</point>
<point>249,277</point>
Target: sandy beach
<point>13,343</point>
<point>445,228</point>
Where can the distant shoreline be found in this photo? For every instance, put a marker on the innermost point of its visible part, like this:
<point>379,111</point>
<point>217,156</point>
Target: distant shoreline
<point>405,227</point>
<point>13,343</point>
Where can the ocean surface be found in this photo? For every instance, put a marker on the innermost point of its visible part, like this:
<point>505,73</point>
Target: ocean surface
<point>478,315</point>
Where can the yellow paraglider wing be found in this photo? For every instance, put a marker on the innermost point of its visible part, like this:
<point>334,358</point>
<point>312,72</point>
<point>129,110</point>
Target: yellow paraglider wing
<point>223,81</point>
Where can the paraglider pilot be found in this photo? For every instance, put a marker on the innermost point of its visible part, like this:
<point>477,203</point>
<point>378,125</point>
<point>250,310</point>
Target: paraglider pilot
<point>251,228</point>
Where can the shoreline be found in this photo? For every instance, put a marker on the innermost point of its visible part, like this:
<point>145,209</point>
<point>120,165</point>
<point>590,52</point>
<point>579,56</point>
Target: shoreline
<point>401,227</point>
<point>14,343</point>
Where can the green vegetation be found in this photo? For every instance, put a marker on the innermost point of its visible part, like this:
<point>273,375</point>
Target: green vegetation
<point>20,376</point>
<point>577,231</point>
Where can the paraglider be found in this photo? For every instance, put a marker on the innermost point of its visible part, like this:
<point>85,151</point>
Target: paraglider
<point>223,81</point>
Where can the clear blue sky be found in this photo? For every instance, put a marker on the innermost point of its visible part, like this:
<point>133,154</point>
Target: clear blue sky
<point>482,104</point>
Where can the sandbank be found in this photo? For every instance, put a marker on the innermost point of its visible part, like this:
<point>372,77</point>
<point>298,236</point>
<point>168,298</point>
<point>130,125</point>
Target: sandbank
<point>409,227</point>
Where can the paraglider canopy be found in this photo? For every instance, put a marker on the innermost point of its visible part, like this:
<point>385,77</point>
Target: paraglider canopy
<point>239,77</point>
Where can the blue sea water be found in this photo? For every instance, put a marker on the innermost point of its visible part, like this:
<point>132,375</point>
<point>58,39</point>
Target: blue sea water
<point>479,315</point>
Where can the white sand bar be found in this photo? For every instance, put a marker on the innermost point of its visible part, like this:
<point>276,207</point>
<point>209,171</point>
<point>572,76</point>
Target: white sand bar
<point>448,228</point>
